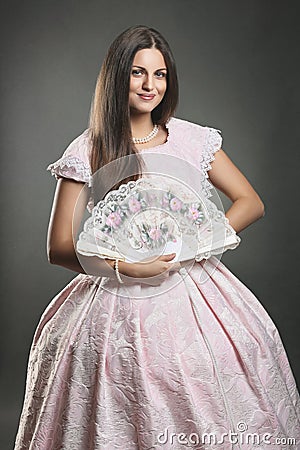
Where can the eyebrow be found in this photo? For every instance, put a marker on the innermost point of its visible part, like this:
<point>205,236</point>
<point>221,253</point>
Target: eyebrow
<point>140,67</point>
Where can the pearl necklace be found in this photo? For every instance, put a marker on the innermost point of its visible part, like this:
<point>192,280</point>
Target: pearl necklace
<point>146,138</point>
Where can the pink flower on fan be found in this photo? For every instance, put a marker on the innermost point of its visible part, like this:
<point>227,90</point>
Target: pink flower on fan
<point>134,205</point>
<point>155,234</point>
<point>113,220</point>
<point>175,204</point>
<point>193,213</point>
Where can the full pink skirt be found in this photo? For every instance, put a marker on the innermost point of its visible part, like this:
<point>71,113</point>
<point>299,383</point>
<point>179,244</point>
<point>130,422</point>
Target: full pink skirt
<point>200,366</point>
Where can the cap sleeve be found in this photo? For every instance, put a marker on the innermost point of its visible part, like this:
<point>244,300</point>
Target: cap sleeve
<point>74,163</point>
<point>212,143</point>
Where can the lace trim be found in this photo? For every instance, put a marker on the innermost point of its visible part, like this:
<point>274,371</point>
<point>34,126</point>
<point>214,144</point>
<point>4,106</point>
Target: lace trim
<point>213,144</point>
<point>71,167</point>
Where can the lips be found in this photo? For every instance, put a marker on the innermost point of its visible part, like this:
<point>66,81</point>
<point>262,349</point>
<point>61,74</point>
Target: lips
<point>146,96</point>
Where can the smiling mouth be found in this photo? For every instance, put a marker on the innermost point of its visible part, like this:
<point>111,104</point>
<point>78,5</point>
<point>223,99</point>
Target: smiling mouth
<point>146,97</point>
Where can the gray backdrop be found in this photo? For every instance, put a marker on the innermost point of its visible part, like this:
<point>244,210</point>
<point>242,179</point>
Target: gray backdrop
<point>238,73</point>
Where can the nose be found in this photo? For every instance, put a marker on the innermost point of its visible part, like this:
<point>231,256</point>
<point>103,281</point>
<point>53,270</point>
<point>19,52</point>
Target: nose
<point>148,83</point>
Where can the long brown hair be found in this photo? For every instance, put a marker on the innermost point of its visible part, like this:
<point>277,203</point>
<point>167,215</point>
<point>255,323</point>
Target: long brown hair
<point>109,126</point>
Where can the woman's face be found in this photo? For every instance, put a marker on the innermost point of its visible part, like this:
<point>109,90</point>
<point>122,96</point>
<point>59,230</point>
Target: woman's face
<point>148,81</point>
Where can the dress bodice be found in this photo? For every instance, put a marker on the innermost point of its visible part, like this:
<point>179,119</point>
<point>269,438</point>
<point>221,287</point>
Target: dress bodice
<point>193,143</point>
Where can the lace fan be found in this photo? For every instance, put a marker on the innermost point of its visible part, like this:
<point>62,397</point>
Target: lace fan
<point>155,216</point>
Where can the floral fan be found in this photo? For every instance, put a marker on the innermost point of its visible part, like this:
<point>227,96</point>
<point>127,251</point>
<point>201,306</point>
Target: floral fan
<point>154,216</point>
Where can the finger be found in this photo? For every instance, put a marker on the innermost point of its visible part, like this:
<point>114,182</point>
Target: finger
<point>168,257</point>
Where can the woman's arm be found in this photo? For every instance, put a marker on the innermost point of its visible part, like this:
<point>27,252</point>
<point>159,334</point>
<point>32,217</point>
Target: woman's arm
<point>69,204</point>
<point>247,206</point>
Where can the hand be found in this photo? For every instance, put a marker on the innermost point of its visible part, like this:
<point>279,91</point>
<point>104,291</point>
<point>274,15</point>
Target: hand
<point>155,270</point>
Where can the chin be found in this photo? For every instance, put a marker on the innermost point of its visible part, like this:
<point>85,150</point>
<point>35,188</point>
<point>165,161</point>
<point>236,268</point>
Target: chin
<point>140,110</point>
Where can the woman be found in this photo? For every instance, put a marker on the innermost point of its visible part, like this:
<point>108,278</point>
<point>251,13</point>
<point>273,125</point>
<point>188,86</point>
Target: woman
<point>201,365</point>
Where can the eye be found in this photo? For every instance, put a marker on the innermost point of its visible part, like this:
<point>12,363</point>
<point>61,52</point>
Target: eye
<point>160,74</point>
<point>137,72</point>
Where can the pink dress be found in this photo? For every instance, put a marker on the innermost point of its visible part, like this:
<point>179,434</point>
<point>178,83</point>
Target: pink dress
<point>200,366</point>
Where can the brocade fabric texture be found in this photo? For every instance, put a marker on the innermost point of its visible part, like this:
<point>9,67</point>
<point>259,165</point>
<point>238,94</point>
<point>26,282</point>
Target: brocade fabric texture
<point>182,369</point>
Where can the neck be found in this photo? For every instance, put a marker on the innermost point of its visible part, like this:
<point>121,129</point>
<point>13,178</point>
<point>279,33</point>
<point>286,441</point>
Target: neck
<point>141,124</point>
